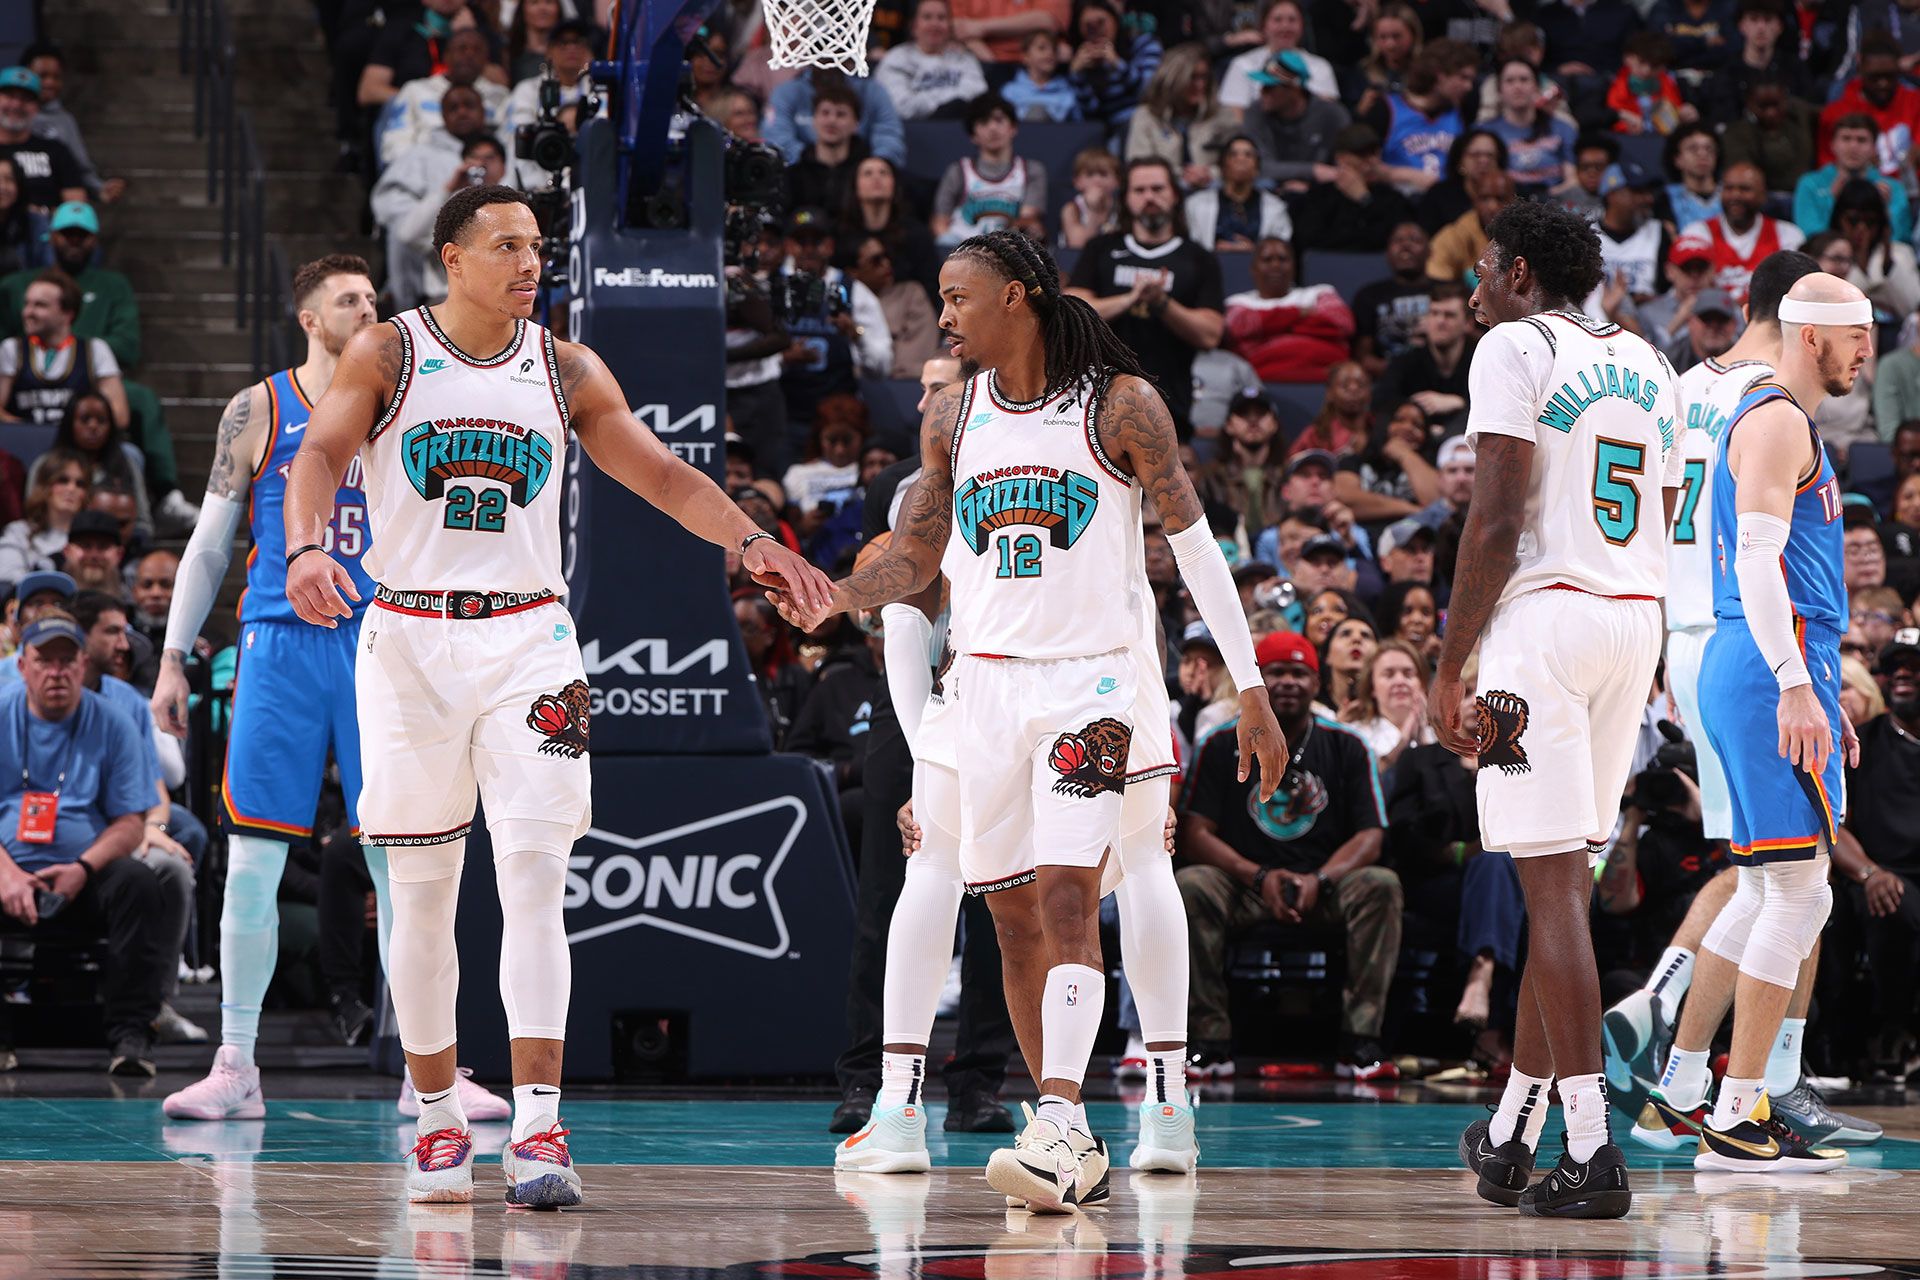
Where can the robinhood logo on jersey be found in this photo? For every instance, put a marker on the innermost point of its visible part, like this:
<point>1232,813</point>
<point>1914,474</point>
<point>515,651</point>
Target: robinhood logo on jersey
<point>1061,502</point>
<point>653,278</point>
<point>450,448</point>
<point>711,880</point>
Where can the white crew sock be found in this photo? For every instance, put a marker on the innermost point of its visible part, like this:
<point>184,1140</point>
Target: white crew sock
<point>1684,1083</point>
<point>1783,1063</point>
<point>1584,1101</point>
<point>1167,1075</point>
<point>1736,1101</point>
<point>441,1110</point>
<point>1056,1111</point>
<point>1669,981</point>
<point>1070,1009</point>
<point>903,1079</point>
<point>1080,1118</point>
<point>1523,1108</point>
<point>536,1109</point>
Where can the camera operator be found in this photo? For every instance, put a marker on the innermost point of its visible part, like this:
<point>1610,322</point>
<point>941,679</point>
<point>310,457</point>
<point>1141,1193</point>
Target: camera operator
<point>839,330</point>
<point>569,54</point>
<point>1661,859</point>
<point>756,339</point>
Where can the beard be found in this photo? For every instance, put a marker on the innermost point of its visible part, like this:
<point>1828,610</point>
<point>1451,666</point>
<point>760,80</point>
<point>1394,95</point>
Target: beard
<point>1154,221</point>
<point>1836,372</point>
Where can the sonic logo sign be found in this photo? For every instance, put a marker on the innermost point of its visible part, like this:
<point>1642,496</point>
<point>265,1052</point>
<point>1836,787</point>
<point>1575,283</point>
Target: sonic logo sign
<point>712,881</point>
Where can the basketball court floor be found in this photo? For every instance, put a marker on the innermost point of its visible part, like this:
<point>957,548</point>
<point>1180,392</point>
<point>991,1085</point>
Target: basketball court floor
<point>1360,1189</point>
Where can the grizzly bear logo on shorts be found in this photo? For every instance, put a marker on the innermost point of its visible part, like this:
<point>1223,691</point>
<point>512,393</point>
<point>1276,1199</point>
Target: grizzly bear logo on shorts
<point>562,717</point>
<point>1503,718</point>
<point>1093,760</point>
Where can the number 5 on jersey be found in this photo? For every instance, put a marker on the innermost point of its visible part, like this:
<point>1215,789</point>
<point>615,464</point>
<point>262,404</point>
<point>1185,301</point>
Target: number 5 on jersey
<point>1616,499</point>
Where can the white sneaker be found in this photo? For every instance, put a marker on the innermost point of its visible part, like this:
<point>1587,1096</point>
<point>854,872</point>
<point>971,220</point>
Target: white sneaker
<point>476,1101</point>
<point>440,1168</point>
<point>1131,1066</point>
<point>1090,1186</point>
<point>540,1172</point>
<point>171,1028</point>
<point>231,1091</point>
<point>1041,1169</point>
<point>894,1141</point>
<point>1167,1143</point>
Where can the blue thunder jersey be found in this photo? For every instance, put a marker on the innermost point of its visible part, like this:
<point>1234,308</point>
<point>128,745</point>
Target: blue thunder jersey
<point>1815,541</point>
<point>347,536</point>
<point>1415,141</point>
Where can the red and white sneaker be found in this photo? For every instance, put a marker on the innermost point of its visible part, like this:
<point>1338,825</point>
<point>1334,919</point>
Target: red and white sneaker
<point>440,1168</point>
<point>480,1104</point>
<point>540,1172</point>
<point>231,1091</point>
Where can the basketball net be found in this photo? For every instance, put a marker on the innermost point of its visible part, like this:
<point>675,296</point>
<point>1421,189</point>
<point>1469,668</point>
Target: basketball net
<point>818,33</point>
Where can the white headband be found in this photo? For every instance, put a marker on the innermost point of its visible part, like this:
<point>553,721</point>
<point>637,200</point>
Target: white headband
<point>1795,311</point>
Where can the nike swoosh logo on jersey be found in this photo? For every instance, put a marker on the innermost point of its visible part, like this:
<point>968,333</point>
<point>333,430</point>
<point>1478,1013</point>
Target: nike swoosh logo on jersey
<point>292,428</point>
<point>434,365</point>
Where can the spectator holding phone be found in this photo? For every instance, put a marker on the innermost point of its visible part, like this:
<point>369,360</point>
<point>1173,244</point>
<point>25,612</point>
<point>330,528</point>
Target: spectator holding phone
<point>73,800</point>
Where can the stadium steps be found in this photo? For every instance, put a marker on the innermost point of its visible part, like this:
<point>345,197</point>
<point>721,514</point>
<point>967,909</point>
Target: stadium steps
<point>136,109</point>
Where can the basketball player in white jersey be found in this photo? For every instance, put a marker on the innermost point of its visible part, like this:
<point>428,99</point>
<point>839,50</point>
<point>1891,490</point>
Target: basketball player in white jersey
<point>469,672</point>
<point>297,689</point>
<point>1575,427</point>
<point>1039,466</point>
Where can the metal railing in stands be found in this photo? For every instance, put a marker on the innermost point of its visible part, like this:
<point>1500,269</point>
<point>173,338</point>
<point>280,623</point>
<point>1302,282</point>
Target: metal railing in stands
<point>237,181</point>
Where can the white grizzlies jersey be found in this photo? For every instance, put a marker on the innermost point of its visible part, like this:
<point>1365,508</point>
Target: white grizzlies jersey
<point>1045,558</point>
<point>1708,391</point>
<point>1602,408</point>
<point>463,468</point>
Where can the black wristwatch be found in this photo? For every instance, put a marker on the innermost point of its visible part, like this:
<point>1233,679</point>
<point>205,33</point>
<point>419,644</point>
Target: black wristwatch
<point>1326,885</point>
<point>1260,878</point>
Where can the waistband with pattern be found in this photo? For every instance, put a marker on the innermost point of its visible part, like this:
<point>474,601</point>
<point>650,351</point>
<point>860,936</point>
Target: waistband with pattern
<point>461,606</point>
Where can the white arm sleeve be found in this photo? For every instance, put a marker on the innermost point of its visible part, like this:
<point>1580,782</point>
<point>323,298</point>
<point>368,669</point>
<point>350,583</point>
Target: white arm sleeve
<point>1763,593</point>
<point>909,639</point>
<point>173,760</point>
<point>203,566</point>
<point>1204,568</point>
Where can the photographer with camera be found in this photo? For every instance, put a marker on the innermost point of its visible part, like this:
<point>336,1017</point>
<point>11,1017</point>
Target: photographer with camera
<point>839,331</point>
<point>1308,856</point>
<point>569,54</point>
<point>409,220</point>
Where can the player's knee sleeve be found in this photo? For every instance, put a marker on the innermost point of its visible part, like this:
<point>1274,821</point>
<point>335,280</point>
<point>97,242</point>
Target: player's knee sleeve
<point>536,969</point>
<point>423,964</point>
<point>1153,944</point>
<point>254,867</point>
<point>1798,901</point>
<point>376,856</point>
<point>531,835</point>
<point>1727,936</point>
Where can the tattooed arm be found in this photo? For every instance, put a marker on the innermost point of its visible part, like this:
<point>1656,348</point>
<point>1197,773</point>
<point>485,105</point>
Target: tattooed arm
<point>1502,467</point>
<point>1136,434</point>
<point>238,448</point>
<point>626,450</point>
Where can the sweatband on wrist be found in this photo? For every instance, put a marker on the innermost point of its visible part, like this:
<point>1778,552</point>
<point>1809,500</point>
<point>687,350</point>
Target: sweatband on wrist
<point>1763,595</point>
<point>203,566</point>
<point>907,645</point>
<point>1204,568</point>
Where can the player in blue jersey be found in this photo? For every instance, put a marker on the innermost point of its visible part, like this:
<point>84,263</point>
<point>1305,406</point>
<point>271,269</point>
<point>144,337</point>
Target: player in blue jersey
<point>1770,705</point>
<point>294,693</point>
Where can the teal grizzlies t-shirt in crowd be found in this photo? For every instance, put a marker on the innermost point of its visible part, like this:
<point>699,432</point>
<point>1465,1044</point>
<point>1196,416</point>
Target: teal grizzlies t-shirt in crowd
<point>105,768</point>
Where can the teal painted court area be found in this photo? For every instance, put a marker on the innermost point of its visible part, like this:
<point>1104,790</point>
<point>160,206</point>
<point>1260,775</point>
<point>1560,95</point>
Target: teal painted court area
<point>1248,1135</point>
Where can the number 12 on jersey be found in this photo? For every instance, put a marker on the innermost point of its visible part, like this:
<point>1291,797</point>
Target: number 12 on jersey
<point>1616,499</point>
<point>1019,556</point>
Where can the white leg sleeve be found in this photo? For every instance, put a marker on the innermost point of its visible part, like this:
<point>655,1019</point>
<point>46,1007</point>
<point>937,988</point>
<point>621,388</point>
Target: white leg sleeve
<point>376,856</point>
<point>1153,923</point>
<point>1727,936</point>
<point>920,935</point>
<point>423,965</point>
<point>249,934</point>
<point>1797,903</point>
<point>536,968</point>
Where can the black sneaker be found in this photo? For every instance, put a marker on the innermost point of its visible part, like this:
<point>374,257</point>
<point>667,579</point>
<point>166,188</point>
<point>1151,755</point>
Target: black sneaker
<point>1210,1060</point>
<point>1595,1188</point>
<point>1762,1143</point>
<point>1365,1059</point>
<point>132,1056</point>
<point>977,1113</point>
<point>352,1019</point>
<point>1503,1170</point>
<point>852,1115</point>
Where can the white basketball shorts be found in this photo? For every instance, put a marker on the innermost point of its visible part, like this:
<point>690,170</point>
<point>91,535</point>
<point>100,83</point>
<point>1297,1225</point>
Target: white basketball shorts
<point>1564,681</point>
<point>1684,650</point>
<point>448,707</point>
<point>1043,764</point>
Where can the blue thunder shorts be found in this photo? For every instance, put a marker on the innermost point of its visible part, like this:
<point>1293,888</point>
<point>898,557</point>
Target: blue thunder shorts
<point>1780,813</point>
<point>292,701</point>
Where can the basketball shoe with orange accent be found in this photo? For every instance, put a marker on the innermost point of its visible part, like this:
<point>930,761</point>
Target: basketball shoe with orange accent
<point>1167,1144</point>
<point>540,1172</point>
<point>893,1141</point>
<point>440,1168</point>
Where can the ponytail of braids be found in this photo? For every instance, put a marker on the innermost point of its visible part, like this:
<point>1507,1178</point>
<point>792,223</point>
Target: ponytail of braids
<point>1082,354</point>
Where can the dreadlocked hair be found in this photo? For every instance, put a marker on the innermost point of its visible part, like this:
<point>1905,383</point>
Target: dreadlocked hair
<point>1083,355</point>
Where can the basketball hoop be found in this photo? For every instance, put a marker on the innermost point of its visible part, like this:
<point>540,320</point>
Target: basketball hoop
<point>818,33</point>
